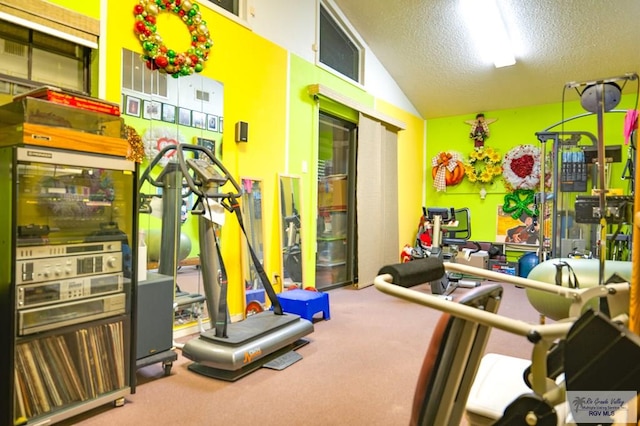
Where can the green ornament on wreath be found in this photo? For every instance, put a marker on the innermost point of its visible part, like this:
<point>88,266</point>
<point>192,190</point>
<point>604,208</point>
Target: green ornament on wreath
<point>157,55</point>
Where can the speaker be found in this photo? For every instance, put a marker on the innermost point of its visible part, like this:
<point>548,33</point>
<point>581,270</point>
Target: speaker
<point>242,131</point>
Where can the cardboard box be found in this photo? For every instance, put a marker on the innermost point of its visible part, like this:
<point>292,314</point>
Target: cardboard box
<point>479,259</point>
<point>332,192</point>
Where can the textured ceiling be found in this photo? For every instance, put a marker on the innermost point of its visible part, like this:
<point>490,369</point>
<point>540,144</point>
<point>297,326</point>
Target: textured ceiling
<point>427,49</point>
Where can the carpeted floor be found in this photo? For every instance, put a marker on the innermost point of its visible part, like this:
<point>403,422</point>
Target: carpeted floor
<point>360,368</point>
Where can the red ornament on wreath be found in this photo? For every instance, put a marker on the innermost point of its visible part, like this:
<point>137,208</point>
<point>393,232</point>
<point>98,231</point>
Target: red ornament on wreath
<point>156,54</point>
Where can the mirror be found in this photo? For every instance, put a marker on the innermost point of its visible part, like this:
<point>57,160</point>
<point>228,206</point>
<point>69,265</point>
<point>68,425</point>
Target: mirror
<point>251,204</point>
<point>290,232</point>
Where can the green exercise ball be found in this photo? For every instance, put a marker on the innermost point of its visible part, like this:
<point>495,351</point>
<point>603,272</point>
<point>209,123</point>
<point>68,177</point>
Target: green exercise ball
<point>586,274</point>
<point>153,238</point>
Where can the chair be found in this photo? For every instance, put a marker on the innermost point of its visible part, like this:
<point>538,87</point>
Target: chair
<point>451,362</point>
<point>460,232</point>
<point>456,346</point>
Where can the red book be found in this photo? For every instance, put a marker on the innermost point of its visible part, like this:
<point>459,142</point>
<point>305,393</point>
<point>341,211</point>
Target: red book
<point>78,100</point>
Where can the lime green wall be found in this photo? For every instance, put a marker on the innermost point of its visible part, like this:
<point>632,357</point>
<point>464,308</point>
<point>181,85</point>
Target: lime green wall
<point>303,141</point>
<point>513,127</point>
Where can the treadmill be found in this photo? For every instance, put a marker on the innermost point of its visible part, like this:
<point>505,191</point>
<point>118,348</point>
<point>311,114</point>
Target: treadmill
<point>229,351</point>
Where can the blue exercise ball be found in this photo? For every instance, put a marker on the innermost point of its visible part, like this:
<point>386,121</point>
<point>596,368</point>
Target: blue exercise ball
<point>526,263</point>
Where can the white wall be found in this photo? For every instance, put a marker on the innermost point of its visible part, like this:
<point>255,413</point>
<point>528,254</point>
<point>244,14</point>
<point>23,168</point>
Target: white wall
<point>292,24</point>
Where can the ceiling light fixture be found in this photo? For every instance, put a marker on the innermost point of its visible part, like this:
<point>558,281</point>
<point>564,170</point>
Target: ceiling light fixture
<point>489,31</point>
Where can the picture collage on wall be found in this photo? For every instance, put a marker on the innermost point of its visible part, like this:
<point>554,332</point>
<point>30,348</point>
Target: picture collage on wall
<point>156,110</point>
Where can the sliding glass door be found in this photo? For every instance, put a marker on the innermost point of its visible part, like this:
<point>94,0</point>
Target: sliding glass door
<point>336,259</point>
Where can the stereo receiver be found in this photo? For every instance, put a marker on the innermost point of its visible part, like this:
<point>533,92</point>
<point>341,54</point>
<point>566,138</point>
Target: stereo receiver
<point>52,262</point>
<point>30,295</point>
<point>63,314</point>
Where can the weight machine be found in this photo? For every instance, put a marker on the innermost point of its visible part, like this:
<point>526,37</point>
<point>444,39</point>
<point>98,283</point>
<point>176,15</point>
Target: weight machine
<point>449,228</point>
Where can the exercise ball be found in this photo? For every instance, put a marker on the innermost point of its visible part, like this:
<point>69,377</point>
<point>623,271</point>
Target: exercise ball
<point>153,240</point>
<point>526,263</point>
<point>586,274</point>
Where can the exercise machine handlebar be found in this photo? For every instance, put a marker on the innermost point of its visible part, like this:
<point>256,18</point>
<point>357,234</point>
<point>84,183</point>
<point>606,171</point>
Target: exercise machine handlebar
<point>203,170</point>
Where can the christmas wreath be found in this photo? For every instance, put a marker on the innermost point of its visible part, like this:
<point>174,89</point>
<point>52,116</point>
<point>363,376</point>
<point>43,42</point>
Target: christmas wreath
<point>483,165</point>
<point>156,54</point>
<point>522,167</point>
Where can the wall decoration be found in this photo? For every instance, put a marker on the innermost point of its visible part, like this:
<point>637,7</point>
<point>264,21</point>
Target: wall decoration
<point>220,126</point>
<point>212,122</point>
<point>133,106</point>
<point>447,170</point>
<point>520,202</point>
<point>168,113</point>
<point>198,119</point>
<point>137,146</point>
<point>483,165</point>
<point>522,167</point>
<point>155,138</point>
<point>184,117</point>
<point>156,54</point>
<point>480,129</point>
<point>152,110</point>
<point>210,144</point>
<point>522,230</point>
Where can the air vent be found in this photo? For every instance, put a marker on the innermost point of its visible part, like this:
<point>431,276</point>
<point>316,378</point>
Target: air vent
<point>13,48</point>
<point>202,96</point>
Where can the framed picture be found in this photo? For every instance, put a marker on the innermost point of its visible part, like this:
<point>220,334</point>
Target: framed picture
<point>184,117</point>
<point>198,119</point>
<point>133,106</point>
<point>212,122</point>
<point>168,113</point>
<point>220,121</point>
<point>210,144</point>
<point>152,110</point>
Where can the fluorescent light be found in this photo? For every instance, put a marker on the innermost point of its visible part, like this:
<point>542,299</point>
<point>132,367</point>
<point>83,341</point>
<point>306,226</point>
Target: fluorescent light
<point>489,31</point>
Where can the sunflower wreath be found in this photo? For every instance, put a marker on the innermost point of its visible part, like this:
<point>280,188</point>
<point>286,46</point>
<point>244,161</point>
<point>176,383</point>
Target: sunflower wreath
<point>483,165</point>
<point>156,54</point>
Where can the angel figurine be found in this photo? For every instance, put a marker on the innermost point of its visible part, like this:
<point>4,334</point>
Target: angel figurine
<point>480,129</point>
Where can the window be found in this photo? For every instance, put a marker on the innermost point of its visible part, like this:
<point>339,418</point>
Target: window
<point>137,77</point>
<point>337,48</point>
<point>230,6</point>
<point>31,59</point>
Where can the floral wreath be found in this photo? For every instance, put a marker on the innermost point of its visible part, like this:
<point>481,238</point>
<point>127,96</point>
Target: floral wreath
<point>444,162</point>
<point>156,54</point>
<point>522,167</point>
<point>483,165</point>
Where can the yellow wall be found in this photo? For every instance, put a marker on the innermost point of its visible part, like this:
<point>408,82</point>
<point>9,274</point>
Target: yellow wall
<point>257,75</point>
<point>253,72</point>
<point>87,7</point>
